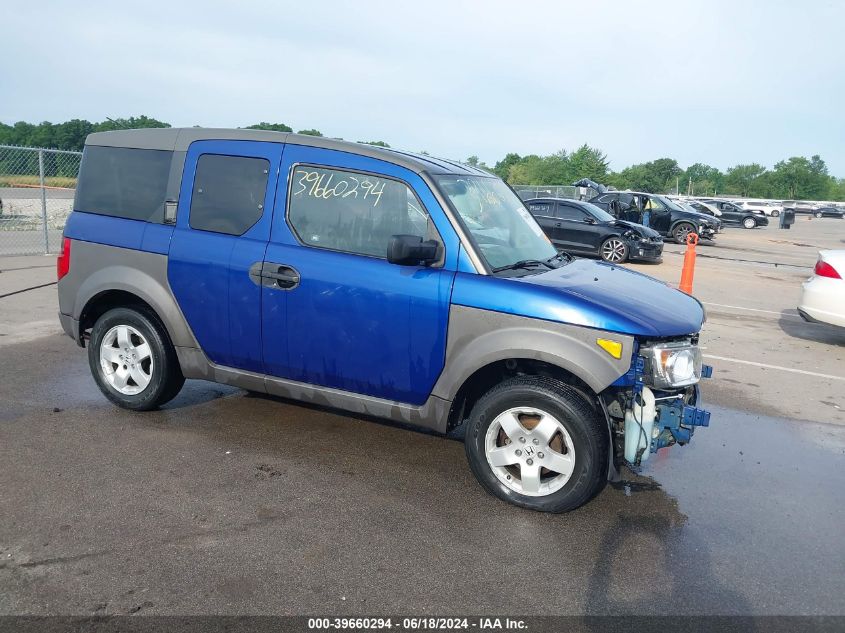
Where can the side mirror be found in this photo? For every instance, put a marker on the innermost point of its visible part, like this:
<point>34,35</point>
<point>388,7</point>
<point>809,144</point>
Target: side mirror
<point>411,250</point>
<point>590,219</point>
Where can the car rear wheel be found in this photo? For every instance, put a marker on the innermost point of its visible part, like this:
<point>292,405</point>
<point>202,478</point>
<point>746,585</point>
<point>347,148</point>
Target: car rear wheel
<point>749,223</point>
<point>680,232</point>
<point>818,214</point>
<point>537,443</point>
<point>775,213</point>
<point>614,250</point>
<point>132,359</point>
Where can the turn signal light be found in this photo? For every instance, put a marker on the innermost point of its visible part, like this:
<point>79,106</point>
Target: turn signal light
<point>614,348</point>
<point>823,269</point>
<point>63,260</point>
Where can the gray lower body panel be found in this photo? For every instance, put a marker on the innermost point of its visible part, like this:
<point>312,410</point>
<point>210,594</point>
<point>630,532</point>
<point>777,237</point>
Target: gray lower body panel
<point>432,415</point>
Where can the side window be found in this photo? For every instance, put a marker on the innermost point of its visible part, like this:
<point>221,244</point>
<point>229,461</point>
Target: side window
<point>353,212</point>
<point>568,212</point>
<point>608,197</point>
<point>228,195</point>
<point>123,182</point>
<point>542,209</point>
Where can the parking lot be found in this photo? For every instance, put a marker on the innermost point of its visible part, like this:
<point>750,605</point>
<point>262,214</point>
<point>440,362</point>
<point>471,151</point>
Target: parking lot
<point>225,502</point>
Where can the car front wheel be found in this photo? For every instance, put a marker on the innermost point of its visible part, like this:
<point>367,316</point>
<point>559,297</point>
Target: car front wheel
<point>749,223</point>
<point>535,442</point>
<point>132,359</point>
<point>818,214</point>
<point>680,232</point>
<point>775,213</point>
<point>614,250</point>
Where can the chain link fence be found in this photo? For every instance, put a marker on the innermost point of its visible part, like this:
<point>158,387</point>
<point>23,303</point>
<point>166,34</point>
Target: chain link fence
<point>36,196</point>
<point>526,192</point>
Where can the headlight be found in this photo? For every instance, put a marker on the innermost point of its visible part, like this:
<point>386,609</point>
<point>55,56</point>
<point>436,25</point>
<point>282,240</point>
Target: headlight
<point>672,364</point>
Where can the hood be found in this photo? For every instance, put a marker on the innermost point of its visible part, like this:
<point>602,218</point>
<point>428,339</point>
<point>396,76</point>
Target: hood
<point>639,228</point>
<point>590,294</point>
<point>702,218</point>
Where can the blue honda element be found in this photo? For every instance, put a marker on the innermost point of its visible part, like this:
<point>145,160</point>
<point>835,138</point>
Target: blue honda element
<point>377,282</point>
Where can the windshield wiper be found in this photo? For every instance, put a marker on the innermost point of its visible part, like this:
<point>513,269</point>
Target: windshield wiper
<point>523,263</point>
<point>560,255</point>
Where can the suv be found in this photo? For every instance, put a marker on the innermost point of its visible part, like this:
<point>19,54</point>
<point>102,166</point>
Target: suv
<point>665,217</point>
<point>376,282</point>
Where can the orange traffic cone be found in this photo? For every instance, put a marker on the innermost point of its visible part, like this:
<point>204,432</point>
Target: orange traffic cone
<point>688,271</point>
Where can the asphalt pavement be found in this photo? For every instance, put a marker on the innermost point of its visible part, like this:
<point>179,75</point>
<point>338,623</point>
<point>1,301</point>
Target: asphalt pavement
<point>225,502</point>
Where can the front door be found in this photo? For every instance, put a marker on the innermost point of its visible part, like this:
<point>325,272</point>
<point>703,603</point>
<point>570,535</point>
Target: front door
<point>345,317</point>
<point>576,226</point>
<point>222,229</point>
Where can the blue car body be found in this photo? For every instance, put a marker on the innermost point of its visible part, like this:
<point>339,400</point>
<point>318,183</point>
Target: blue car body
<point>355,331</point>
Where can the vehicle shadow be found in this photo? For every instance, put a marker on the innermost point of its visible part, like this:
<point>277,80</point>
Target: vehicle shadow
<point>648,532</point>
<point>817,332</point>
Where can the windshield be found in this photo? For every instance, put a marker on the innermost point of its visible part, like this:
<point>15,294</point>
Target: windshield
<point>670,204</point>
<point>500,224</point>
<point>597,212</point>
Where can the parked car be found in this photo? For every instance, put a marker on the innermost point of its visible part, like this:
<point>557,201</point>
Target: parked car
<point>582,228</point>
<point>377,282</point>
<point>800,206</point>
<point>766,208</point>
<point>666,217</point>
<point>703,207</point>
<point>823,294</point>
<point>829,211</point>
<point>737,216</point>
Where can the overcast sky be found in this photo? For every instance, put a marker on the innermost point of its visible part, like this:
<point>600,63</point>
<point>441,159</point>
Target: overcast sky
<point>714,82</point>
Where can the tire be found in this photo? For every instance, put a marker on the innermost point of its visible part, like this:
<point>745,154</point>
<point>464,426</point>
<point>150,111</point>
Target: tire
<point>818,214</point>
<point>150,375</point>
<point>614,250</point>
<point>749,223</point>
<point>775,213</point>
<point>578,445</point>
<point>680,232</point>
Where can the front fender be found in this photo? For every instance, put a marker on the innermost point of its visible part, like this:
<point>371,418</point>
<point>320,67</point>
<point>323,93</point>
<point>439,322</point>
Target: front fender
<point>480,337</point>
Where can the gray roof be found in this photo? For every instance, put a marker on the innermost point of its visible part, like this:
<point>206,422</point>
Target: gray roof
<point>178,140</point>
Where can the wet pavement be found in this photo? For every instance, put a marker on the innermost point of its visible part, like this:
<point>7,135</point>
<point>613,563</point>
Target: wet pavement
<point>230,503</point>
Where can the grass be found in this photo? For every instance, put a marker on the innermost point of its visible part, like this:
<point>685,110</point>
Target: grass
<point>64,182</point>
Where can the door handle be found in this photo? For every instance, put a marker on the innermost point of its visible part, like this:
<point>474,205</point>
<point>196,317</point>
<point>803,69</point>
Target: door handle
<point>274,275</point>
<point>557,224</point>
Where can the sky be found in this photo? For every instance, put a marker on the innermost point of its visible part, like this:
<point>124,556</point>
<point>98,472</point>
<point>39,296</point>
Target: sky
<point>715,82</point>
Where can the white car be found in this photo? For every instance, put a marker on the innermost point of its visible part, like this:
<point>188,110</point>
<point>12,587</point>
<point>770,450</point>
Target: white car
<point>823,297</point>
<point>767,208</point>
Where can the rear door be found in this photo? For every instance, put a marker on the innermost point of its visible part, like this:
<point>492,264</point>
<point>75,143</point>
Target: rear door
<point>222,228</point>
<point>544,212</point>
<point>344,317</point>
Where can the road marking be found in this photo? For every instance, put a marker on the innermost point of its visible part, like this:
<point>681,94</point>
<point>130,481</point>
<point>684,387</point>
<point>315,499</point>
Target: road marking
<point>789,369</point>
<point>722,305</point>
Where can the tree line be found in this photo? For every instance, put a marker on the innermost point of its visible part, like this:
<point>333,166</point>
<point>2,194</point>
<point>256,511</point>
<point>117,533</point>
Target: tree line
<point>797,177</point>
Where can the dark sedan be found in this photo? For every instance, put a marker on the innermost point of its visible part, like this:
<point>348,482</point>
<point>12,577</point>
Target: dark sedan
<point>582,228</point>
<point>737,216</point>
<point>829,211</point>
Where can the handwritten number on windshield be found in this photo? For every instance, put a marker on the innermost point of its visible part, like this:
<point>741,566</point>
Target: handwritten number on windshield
<point>327,185</point>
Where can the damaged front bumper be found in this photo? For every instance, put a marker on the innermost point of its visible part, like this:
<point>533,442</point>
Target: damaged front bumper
<point>648,419</point>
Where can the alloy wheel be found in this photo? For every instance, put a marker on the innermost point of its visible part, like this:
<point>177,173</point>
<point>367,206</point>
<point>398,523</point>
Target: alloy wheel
<point>529,451</point>
<point>749,223</point>
<point>126,360</point>
<point>613,250</point>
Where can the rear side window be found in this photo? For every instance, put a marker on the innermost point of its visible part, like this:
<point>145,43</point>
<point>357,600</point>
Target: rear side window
<point>123,182</point>
<point>353,212</point>
<point>228,195</point>
<point>541,209</point>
